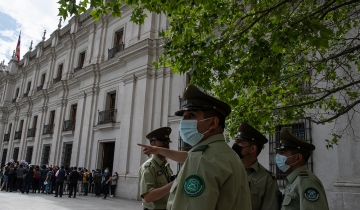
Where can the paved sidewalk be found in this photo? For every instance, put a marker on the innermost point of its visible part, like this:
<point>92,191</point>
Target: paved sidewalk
<point>36,201</point>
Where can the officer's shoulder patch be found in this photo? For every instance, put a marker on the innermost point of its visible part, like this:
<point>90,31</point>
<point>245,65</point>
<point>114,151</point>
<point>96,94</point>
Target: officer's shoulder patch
<point>200,148</point>
<point>194,185</point>
<point>303,174</point>
<point>311,194</point>
<point>147,164</point>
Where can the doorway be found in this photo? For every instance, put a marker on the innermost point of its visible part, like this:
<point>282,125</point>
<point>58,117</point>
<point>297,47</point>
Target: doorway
<point>107,155</point>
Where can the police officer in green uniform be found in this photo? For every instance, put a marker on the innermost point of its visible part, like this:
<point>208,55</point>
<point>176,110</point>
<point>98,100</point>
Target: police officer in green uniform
<point>303,191</point>
<point>263,186</point>
<point>155,174</point>
<point>212,176</point>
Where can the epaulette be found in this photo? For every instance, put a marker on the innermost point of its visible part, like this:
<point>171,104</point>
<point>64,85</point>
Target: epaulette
<point>272,174</point>
<point>147,164</point>
<point>201,148</point>
<point>303,174</point>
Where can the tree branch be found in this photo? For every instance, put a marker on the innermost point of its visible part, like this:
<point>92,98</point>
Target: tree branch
<point>347,51</point>
<point>338,114</point>
<point>319,99</point>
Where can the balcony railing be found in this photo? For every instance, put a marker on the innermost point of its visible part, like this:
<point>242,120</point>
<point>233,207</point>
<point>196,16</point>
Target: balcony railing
<point>7,137</point>
<point>69,125</point>
<point>14,100</point>
<point>40,87</point>
<point>17,135</point>
<point>107,116</point>
<point>31,132</point>
<point>77,68</point>
<point>48,129</point>
<point>57,79</point>
<point>113,51</point>
<point>26,94</point>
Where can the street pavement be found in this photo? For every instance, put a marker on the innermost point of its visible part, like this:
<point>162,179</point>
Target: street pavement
<point>36,201</point>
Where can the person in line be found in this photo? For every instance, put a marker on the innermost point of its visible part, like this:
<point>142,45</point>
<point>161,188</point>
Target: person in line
<point>60,178</point>
<point>304,190</point>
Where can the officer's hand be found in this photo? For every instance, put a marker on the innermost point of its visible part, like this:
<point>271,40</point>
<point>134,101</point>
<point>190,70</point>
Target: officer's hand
<point>147,149</point>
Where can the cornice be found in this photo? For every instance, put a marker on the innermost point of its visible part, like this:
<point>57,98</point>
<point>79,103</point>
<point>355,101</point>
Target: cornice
<point>61,102</point>
<point>129,78</point>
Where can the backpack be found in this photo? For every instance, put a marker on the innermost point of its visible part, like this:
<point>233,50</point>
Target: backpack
<point>37,175</point>
<point>51,174</point>
<point>87,177</point>
<point>81,176</point>
<point>11,171</point>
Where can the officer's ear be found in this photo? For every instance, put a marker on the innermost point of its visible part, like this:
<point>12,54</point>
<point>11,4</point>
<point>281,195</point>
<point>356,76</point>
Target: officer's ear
<point>214,123</point>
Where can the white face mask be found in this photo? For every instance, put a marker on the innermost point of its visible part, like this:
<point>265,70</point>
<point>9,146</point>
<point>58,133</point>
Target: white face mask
<point>189,133</point>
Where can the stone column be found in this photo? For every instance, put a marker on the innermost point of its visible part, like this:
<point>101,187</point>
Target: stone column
<point>78,127</point>
<point>11,139</point>
<point>38,133</point>
<point>22,148</point>
<point>87,127</point>
<point>56,146</point>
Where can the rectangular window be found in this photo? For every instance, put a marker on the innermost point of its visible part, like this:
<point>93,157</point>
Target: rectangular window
<point>10,127</point>
<point>21,125</point>
<point>17,92</point>
<point>29,152</point>
<point>60,70</point>
<point>66,154</point>
<point>3,158</point>
<point>42,79</point>
<point>81,59</point>
<point>52,117</point>
<point>301,129</point>
<point>28,87</point>
<point>112,101</point>
<point>118,38</point>
<point>16,153</point>
<point>35,121</point>
<point>73,111</point>
<point>45,154</point>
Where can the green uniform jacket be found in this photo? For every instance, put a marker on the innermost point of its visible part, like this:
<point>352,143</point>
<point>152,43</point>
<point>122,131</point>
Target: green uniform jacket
<point>154,174</point>
<point>304,191</point>
<point>263,188</point>
<point>212,177</point>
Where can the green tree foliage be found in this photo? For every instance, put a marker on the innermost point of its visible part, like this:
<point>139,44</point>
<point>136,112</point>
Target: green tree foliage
<point>274,61</point>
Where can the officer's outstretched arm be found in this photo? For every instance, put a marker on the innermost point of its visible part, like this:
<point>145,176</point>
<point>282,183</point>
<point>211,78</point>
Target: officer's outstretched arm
<point>157,193</point>
<point>178,156</point>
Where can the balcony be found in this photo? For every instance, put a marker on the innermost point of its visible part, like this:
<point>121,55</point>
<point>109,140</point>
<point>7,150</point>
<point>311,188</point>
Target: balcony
<point>17,135</point>
<point>107,116</point>
<point>113,51</point>
<point>57,79</point>
<point>77,68</point>
<point>14,100</point>
<point>31,132</point>
<point>39,87</point>
<point>7,137</point>
<point>26,95</point>
<point>48,129</point>
<point>69,125</point>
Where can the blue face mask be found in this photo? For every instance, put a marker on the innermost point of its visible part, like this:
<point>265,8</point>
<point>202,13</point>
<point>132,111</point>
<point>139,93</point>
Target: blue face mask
<point>280,162</point>
<point>189,133</point>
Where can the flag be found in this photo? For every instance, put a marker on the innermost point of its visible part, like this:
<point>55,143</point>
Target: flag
<point>17,54</point>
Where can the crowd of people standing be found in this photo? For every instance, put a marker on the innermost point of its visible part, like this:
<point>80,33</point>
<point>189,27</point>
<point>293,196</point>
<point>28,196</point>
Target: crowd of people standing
<point>18,176</point>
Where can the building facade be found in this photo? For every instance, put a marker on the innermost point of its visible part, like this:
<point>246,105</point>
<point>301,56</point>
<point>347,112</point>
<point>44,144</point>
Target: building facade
<point>87,95</point>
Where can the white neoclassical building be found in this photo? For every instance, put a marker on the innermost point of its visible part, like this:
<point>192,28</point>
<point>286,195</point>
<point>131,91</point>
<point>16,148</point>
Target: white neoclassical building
<point>88,94</point>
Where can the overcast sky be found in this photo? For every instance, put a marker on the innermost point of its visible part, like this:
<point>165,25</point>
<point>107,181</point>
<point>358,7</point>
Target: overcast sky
<point>32,17</point>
